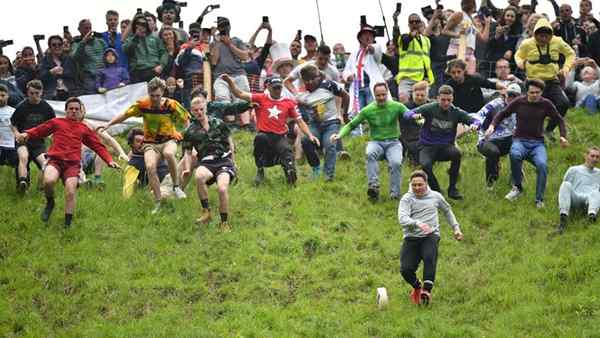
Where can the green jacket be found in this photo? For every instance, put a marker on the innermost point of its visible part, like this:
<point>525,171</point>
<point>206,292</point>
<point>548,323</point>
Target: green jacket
<point>89,56</point>
<point>145,53</point>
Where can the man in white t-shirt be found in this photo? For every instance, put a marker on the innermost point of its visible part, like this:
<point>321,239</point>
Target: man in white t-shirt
<point>8,154</point>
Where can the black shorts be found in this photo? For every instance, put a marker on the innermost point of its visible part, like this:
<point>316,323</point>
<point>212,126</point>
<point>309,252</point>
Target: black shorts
<point>219,167</point>
<point>8,156</point>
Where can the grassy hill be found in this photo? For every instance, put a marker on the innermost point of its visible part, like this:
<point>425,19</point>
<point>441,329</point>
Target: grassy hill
<point>301,262</point>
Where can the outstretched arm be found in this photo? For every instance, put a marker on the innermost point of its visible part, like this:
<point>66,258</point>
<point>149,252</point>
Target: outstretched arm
<point>240,94</point>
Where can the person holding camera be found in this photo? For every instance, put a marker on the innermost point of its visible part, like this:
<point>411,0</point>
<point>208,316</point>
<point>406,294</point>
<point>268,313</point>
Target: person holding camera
<point>27,69</point>
<point>57,71</point>
<point>414,64</point>
<point>147,54</point>
<point>87,50</point>
<point>226,55</point>
<point>169,13</point>
<point>114,39</point>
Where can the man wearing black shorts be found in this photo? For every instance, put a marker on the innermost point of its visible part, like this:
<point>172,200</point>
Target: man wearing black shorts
<point>211,138</point>
<point>30,113</point>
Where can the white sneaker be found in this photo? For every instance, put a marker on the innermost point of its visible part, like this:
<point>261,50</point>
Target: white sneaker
<point>157,207</point>
<point>513,194</point>
<point>179,194</point>
<point>539,204</point>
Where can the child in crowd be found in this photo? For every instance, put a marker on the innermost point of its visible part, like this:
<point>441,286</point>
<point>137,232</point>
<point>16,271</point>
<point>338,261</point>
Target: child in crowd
<point>112,75</point>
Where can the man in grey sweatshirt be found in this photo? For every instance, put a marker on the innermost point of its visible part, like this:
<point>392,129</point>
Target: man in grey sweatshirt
<point>418,216</point>
<point>580,188</point>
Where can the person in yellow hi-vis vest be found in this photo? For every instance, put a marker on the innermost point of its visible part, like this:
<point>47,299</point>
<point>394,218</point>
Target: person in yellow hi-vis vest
<point>414,64</point>
<point>539,56</point>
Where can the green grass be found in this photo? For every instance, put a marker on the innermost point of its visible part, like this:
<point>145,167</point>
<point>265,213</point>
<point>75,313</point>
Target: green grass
<point>301,262</point>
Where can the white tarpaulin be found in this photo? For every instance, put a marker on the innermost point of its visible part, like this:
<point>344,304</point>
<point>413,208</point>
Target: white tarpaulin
<point>102,108</point>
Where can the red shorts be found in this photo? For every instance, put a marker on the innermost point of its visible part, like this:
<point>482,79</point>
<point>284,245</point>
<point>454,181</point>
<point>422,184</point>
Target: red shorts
<point>66,169</point>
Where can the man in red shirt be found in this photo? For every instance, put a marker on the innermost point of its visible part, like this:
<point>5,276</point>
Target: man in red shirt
<point>272,112</point>
<point>64,156</point>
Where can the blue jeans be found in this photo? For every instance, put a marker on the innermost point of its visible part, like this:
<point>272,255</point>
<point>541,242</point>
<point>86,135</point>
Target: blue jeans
<point>322,131</point>
<point>591,103</point>
<point>391,150</point>
<point>534,152</point>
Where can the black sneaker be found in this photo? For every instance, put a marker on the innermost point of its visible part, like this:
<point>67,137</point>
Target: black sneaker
<point>454,194</point>
<point>22,186</point>
<point>562,225</point>
<point>291,177</point>
<point>373,193</point>
<point>592,218</point>
<point>260,176</point>
<point>47,212</point>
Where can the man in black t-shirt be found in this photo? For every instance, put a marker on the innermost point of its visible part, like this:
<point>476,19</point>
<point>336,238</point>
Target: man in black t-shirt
<point>30,113</point>
<point>467,88</point>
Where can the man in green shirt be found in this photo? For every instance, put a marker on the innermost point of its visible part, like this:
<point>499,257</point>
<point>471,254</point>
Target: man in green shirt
<point>382,116</point>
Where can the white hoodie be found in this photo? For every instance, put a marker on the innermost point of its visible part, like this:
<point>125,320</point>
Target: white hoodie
<point>415,210</point>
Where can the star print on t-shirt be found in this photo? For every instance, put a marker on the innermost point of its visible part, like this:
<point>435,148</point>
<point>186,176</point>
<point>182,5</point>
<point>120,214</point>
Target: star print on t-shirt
<point>274,112</point>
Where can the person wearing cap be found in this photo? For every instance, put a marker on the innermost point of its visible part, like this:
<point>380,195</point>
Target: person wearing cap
<point>324,118</point>
<point>272,112</point>
<point>226,55</point>
<point>169,13</point>
<point>363,71</point>
<point>528,139</point>
<point>147,54</point>
<point>414,64</point>
<point>499,143</point>
<point>540,57</point>
<point>310,46</point>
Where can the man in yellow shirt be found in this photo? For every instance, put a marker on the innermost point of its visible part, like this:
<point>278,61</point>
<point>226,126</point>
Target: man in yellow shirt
<point>160,115</point>
<point>539,57</point>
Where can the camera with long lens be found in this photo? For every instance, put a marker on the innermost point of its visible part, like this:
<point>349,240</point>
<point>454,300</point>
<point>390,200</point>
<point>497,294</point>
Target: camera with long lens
<point>39,37</point>
<point>6,43</point>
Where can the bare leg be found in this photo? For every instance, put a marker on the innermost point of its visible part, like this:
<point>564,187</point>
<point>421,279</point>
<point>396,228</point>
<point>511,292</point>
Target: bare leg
<point>70,193</point>
<point>23,155</point>
<point>169,152</point>
<point>222,187</point>
<point>202,176</point>
<point>150,160</point>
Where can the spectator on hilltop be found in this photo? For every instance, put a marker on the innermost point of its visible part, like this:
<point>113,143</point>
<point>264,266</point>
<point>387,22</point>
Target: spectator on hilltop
<point>147,54</point>
<point>168,13</point>
<point>27,69</point>
<point>503,41</point>
<point>87,51</point>
<point>58,72</point>
<point>113,75</point>
<point>168,36</point>
<point>310,46</point>
<point>587,91</point>
<point>226,55</point>
<point>114,39</point>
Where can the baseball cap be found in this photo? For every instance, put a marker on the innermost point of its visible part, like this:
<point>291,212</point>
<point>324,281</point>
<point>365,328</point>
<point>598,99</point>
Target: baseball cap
<point>513,89</point>
<point>275,81</point>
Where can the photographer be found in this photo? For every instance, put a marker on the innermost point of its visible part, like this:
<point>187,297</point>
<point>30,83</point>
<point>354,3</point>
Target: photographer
<point>168,14</point>
<point>255,64</point>
<point>414,64</point>
<point>565,25</point>
<point>226,55</point>
<point>57,71</point>
<point>87,51</point>
<point>147,54</point>
<point>439,46</point>
<point>27,69</point>
<point>190,61</point>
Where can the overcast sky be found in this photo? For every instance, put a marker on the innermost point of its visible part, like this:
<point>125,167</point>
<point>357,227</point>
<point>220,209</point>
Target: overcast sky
<point>340,19</point>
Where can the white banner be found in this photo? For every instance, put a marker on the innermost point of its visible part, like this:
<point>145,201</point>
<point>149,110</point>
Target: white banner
<point>103,107</point>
